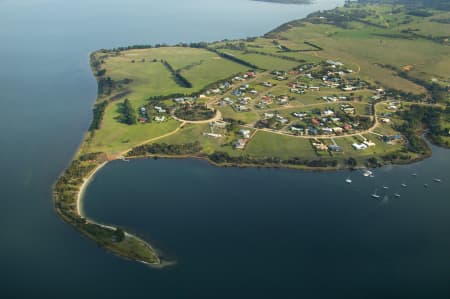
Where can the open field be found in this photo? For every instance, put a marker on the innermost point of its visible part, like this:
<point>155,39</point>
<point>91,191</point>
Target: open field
<point>265,144</point>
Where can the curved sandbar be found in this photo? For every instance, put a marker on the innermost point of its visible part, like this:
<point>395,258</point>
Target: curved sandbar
<point>68,204</point>
<point>109,227</point>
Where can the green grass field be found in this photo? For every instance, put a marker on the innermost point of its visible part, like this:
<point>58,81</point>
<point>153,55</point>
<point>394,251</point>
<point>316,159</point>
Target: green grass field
<point>361,46</point>
<point>266,144</point>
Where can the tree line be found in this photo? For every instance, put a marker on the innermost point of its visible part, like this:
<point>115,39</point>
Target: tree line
<point>166,149</point>
<point>128,113</point>
<point>99,111</point>
<point>178,78</point>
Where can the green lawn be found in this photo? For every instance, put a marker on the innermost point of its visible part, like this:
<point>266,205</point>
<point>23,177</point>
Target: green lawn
<point>266,144</point>
<point>115,137</point>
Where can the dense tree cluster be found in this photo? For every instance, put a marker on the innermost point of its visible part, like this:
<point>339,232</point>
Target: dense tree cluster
<point>418,116</point>
<point>225,158</point>
<point>105,86</point>
<point>128,114</point>
<point>99,111</point>
<point>194,112</point>
<point>166,149</point>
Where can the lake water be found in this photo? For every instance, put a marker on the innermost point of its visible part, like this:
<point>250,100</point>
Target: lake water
<point>233,232</point>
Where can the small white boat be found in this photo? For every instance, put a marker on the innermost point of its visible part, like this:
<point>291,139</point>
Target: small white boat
<point>414,174</point>
<point>367,173</point>
<point>348,181</point>
<point>404,185</point>
<point>437,180</point>
<point>385,187</point>
<point>375,195</point>
<point>397,195</point>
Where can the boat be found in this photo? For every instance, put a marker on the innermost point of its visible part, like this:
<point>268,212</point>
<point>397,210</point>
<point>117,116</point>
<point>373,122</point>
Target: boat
<point>404,185</point>
<point>385,187</point>
<point>348,181</point>
<point>124,159</point>
<point>397,195</point>
<point>375,195</point>
<point>425,185</point>
<point>367,173</point>
<point>414,174</point>
<point>437,180</point>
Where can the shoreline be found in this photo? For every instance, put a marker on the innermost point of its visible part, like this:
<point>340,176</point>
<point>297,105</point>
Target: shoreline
<point>280,166</point>
<point>80,211</point>
<point>83,187</point>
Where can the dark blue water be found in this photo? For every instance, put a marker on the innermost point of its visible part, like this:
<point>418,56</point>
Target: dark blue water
<point>234,233</point>
<point>264,233</point>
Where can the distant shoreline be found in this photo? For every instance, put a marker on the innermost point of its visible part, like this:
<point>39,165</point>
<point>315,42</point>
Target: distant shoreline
<point>300,2</point>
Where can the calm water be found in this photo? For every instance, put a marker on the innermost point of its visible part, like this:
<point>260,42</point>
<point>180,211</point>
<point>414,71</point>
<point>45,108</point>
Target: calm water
<point>235,233</point>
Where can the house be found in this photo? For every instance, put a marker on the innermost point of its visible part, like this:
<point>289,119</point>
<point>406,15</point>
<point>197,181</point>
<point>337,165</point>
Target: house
<point>335,63</point>
<point>228,101</point>
<point>219,124</point>
<point>282,120</point>
<point>237,92</point>
<point>245,133</point>
<point>160,109</point>
<point>160,118</point>
<point>315,121</point>
<point>268,115</point>
<point>369,143</point>
<point>179,100</point>
<point>334,148</point>
<point>327,130</point>
<point>312,131</point>
<point>392,138</point>
<point>299,115</point>
<point>241,108</point>
<point>320,146</point>
<point>349,110</point>
<point>296,129</point>
<point>283,101</point>
<point>348,88</point>
<point>240,144</point>
<point>338,130</point>
<point>359,146</point>
<point>385,120</point>
<point>328,112</point>
<point>214,135</point>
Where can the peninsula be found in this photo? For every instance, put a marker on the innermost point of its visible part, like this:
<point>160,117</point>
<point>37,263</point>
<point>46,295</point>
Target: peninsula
<point>351,87</point>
